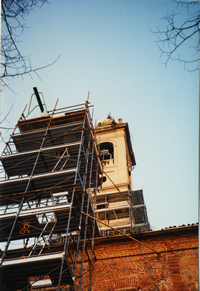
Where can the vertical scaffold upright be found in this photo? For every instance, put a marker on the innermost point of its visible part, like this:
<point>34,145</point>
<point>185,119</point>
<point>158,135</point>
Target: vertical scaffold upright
<point>52,166</point>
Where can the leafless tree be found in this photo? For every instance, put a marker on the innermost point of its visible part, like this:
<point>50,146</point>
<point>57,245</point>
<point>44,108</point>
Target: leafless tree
<point>178,33</point>
<point>13,62</point>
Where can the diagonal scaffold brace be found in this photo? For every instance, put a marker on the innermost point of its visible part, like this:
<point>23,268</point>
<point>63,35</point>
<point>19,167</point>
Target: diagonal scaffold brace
<point>120,232</point>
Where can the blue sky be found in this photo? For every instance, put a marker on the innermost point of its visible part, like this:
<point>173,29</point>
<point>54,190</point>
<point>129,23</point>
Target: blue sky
<point>108,48</point>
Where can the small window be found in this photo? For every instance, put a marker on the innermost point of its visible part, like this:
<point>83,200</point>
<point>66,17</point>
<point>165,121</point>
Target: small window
<point>106,151</point>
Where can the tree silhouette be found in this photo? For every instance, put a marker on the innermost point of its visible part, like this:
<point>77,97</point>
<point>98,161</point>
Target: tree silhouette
<point>177,34</point>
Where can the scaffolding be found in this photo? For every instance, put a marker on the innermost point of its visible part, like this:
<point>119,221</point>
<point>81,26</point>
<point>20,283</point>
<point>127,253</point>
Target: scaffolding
<point>139,212</point>
<point>114,209</point>
<point>125,211</point>
<point>51,168</point>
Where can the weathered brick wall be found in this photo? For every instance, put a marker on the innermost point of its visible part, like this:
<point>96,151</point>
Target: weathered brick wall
<point>123,264</point>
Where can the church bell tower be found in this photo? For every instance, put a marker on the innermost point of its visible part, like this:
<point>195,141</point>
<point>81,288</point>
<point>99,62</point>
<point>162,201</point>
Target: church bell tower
<point>116,198</point>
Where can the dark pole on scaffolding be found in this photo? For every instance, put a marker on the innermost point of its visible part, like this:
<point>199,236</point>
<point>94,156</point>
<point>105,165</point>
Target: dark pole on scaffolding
<point>38,99</point>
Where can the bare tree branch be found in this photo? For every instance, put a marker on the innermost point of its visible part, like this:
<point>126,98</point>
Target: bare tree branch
<point>26,71</point>
<point>13,62</point>
<point>3,120</point>
<point>177,35</point>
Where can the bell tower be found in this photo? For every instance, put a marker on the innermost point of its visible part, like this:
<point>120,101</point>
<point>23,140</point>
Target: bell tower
<point>115,199</point>
<point>116,154</point>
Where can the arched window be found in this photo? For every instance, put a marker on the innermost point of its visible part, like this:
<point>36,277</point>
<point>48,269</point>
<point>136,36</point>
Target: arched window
<point>106,151</point>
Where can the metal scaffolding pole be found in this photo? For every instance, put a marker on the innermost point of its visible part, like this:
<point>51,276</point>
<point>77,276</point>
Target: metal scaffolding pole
<point>82,206</point>
<point>86,222</point>
<point>69,217</point>
<point>83,185</point>
<point>93,230</point>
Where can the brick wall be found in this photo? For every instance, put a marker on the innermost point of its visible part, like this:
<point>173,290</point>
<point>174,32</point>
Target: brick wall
<point>123,264</point>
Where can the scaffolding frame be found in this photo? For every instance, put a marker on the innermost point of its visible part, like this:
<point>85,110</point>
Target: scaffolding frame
<point>130,206</point>
<point>52,165</point>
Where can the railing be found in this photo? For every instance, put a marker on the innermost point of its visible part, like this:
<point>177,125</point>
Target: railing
<point>69,109</point>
